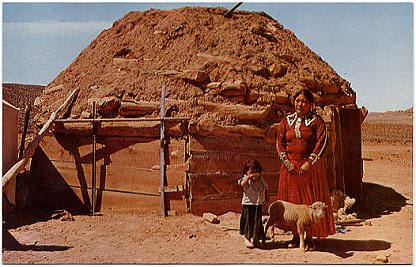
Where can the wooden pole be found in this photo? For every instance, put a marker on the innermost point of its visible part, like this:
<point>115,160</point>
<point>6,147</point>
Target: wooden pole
<point>22,142</point>
<point>162,153</point>
<point>94,142</point>
<point>229,12</point>
<point>30,150</point>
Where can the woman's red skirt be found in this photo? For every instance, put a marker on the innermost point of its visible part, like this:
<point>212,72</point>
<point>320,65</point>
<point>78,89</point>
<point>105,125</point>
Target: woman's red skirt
<point>307,189</point>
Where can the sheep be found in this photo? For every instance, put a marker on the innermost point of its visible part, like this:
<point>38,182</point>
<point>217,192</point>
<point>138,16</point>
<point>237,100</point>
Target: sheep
<point>303,216</point>
<point>339,200</point>
<point>341,203</point>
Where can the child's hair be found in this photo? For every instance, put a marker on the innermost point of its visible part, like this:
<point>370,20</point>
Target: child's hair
<point>253,165</point>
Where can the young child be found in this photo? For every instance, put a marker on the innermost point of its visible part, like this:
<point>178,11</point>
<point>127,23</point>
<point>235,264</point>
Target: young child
<point>254,195</point>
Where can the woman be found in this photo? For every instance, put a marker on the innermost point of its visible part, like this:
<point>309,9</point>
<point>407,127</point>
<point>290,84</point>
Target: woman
<point>300,142</point>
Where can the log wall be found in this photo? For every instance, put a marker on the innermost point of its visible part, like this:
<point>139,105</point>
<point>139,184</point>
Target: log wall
<point>202,170</point>
<point>215,166</point>
<point>127,174</point>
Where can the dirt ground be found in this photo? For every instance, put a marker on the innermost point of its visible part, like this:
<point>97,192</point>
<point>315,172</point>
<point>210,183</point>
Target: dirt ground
<point>386,236</point>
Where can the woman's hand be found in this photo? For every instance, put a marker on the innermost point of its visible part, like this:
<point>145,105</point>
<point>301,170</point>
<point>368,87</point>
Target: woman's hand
<point>288,165</point>
<point>304,168</point>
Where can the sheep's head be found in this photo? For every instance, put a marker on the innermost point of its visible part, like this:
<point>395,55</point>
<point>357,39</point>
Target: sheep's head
<point>348,203</point>
<point>318,211</point>
<point>337,199</point>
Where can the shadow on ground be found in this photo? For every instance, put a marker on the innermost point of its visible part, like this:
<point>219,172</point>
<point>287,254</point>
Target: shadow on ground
<point>10,243</point>
<point>346,248</point>
<point>378,200</point>
<point>18,218</point>
<point>339,247</point>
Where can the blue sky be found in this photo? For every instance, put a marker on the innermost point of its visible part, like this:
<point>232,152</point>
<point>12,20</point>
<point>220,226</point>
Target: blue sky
<point>369,44</point>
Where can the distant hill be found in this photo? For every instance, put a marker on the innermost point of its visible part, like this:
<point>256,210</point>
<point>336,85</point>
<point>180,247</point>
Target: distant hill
<point>391,127</point>
<point>398,116</point>
<point>20,95</point>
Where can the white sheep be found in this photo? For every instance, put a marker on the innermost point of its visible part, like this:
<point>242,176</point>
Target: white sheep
<point>283,213</point>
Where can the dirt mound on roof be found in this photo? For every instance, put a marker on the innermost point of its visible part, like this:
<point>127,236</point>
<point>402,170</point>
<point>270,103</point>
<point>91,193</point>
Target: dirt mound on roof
<point>203,59</point>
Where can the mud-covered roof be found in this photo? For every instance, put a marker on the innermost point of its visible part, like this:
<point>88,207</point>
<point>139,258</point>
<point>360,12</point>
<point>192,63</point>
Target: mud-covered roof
<point>202,58</point>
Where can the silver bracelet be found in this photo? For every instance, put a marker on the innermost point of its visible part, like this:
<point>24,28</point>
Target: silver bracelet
<point>286,163</point>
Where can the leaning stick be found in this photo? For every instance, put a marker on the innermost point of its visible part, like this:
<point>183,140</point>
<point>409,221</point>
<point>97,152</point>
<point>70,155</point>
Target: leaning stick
<point>228,13</point>
<point>30,150</point>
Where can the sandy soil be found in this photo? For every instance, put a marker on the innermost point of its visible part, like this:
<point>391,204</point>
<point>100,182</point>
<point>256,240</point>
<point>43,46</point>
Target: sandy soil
<point>117,238</point>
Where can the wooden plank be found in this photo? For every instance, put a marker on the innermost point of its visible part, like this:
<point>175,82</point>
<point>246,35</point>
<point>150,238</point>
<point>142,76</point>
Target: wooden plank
<point>203,185</point>
<point>351,151</point>
<point>234,152</point>
<point>213,184</point>
<point>329,153</point>
<point>229,162</point>
<point>237,144</point>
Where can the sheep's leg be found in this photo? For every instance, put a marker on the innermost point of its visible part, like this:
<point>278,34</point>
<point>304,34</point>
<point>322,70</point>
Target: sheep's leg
<point>270,233</point>
<point>301,231</point>
<point>310,245</point>
<point>295,240</point>
<point>270,223</point>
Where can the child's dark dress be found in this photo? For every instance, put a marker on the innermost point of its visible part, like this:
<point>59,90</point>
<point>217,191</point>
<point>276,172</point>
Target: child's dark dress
<point>251,225</point>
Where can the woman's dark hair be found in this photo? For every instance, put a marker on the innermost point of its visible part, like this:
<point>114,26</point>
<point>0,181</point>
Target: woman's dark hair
<point>253,165</point>
<point>306,93</point>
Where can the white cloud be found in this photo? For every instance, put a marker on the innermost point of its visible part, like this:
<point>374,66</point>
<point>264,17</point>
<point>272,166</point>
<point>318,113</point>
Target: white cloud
<point>54,27</point>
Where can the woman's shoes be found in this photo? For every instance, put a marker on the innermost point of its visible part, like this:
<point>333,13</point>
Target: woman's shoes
<point>294,243</point>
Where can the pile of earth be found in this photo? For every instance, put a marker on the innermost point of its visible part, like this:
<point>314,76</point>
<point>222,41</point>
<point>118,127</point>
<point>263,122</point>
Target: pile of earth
<point>207,62</point>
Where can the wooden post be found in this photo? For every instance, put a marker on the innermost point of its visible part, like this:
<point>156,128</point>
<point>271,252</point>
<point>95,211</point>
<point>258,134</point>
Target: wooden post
<point>22,142</point>
<point>94,142</point>
<point>21,163</point>
<point>162,153</point>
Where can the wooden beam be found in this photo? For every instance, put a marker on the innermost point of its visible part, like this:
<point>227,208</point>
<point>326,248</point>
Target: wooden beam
<point>122,119</point>
<point>26,125</point>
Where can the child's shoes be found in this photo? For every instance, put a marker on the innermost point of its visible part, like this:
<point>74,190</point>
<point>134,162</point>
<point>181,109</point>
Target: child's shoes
<point>248,244</point>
